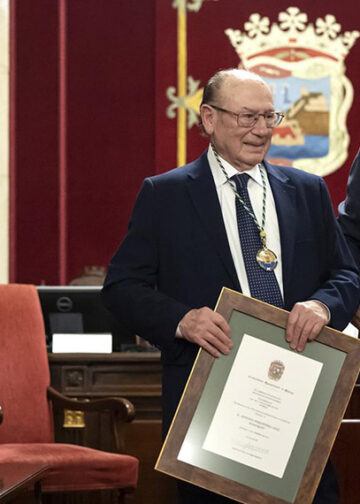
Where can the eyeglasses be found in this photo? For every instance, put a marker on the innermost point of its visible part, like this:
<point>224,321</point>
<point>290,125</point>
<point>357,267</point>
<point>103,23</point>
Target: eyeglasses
<point>248,120</point>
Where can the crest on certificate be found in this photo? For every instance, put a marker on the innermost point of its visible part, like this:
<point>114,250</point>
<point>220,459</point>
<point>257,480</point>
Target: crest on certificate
<point>276,370</point>
<point>304,65</point>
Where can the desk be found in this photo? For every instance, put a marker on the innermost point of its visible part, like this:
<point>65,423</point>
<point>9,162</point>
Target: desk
<point>134,375</point>
<point>16,478</point>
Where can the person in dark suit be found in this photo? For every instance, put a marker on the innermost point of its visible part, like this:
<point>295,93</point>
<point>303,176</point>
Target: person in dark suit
<point>349,210</point>
<point>349,217</point>
<point>184,243</point>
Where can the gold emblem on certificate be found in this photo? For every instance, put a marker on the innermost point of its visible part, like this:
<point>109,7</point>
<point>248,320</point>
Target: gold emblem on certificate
<point>276,370</point>
<point>266,259</point>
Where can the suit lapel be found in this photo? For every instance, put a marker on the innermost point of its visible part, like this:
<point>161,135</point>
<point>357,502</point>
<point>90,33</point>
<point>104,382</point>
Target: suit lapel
<point>203,193</point>
<point>284,196</point>
<point>201,187</point>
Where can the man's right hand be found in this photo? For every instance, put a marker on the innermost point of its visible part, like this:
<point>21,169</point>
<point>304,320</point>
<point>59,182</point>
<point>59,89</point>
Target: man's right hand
<point>207,329</point>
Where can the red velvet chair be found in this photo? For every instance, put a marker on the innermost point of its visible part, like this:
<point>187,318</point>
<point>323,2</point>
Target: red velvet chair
<point>26,431</point>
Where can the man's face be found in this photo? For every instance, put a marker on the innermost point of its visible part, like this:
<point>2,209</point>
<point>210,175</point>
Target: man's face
<point>242,147</point>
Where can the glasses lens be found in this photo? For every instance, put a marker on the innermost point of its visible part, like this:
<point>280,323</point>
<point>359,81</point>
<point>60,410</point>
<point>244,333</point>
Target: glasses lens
<point>272,119</point>
<point>247,120</point>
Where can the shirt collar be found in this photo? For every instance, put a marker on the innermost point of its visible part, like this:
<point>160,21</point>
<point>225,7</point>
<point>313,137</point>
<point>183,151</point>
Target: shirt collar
<point>218,175</point>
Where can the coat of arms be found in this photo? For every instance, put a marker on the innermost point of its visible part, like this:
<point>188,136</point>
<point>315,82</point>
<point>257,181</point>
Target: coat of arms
<point>304,65</point>
<point>276,370</point>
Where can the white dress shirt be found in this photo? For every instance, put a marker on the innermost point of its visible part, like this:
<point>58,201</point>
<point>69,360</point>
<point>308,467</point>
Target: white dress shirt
<point>226,197</point>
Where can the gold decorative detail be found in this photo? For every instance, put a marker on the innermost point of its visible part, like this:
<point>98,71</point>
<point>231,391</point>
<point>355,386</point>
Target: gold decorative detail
<point>74,419</point>
<point>190,5</point>
<point>181,101</point>
<point>191,102</point>
<point>181,81</point>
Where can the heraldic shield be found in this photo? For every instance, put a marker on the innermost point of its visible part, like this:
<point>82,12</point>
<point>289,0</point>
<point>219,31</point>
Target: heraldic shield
<point>304,65</point>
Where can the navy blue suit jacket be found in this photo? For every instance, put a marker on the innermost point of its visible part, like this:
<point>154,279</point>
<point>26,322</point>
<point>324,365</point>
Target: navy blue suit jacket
<point>176,257</point>
<point>349,210</point>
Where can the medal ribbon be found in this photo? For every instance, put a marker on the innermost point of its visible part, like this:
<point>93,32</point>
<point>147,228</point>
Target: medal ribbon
<point>261,227</point>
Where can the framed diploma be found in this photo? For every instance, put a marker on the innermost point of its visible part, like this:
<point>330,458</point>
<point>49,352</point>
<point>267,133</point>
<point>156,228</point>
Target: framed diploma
<point>257,425</point>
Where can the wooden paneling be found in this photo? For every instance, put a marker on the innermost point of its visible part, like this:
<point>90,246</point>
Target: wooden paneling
<point>346,450</point>
<point>136,376</point>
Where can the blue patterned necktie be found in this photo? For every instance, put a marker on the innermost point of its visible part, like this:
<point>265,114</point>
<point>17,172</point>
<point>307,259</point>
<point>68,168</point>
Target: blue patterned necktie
<point>263,284</point>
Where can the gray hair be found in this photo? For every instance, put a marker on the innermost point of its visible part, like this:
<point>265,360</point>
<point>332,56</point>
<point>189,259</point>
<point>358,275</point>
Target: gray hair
<point>213,85</point>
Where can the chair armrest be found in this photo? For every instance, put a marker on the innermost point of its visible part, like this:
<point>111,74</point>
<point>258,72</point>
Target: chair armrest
<point>122,411</point>
<point>356,320</point>
<point>123,408</point>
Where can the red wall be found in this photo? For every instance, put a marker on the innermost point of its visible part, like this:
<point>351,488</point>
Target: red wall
<point>109,131</point>
<point>209,49</point>
<point>34,163</point>
<point>90,126</point>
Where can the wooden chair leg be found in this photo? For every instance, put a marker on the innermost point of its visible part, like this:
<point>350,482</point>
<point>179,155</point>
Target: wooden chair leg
<point>37,492</point>
<point>120,496</point>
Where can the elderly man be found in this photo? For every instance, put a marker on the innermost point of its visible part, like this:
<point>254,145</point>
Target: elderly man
<point>230,219</point>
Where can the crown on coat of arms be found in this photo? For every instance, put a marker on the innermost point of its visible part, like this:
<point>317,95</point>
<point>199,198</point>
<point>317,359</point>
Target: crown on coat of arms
<point>292,39</point>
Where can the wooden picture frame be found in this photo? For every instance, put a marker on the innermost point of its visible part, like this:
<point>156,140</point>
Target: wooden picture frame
<point>183,455</point>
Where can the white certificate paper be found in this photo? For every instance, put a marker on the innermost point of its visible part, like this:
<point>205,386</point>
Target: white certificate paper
<point>262,406</point>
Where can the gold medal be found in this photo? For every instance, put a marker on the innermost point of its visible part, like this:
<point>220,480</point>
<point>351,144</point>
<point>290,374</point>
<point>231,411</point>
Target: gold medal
<point>266,259</point>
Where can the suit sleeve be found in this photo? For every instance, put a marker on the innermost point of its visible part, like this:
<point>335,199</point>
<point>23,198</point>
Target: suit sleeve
<point>349,210</point>
<point>130,288</point>
<point>341,291</point>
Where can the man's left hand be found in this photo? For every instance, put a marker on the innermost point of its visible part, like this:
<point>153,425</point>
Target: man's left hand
<point>305,321</point>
